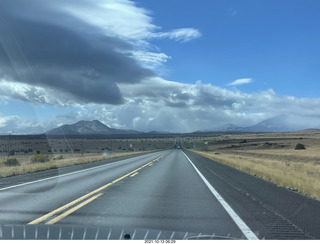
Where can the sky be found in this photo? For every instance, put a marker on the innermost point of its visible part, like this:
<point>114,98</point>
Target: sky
<point>169,65</point>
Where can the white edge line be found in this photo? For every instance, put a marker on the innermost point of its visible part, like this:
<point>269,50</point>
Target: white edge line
<point>239,222</point>
<point>54,177</point>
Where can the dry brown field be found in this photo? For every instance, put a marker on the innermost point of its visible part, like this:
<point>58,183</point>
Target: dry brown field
<point>271,156</point>
<point>65,152</point>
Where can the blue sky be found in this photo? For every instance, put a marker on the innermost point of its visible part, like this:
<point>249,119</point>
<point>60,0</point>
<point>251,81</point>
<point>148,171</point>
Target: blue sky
<point>158,65</point>
<point>276,43</point>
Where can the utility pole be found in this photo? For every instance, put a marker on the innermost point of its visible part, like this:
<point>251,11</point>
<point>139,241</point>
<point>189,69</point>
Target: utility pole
<point>82,147</point>
<point>9,146</point>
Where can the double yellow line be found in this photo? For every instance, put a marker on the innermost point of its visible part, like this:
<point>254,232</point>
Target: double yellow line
<point>66,210</point>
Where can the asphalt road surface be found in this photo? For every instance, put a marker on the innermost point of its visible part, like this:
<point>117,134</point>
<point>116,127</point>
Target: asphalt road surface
<point>171,191</point>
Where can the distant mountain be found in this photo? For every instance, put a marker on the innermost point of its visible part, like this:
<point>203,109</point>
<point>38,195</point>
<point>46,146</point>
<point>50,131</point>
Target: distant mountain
<point>159,132</point>
<point>83,127</point>
<point>224,128</point>
<point>230,127</point>
<point>281,123</point>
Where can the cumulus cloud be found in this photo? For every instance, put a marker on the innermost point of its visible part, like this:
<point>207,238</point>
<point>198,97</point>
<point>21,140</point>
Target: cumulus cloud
<point>17,125</point>
<point>172,106</point>
<point>241,82</point>
<point>158,104</point>
<point>80,50</point>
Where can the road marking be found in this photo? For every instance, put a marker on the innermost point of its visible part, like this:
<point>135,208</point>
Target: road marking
<point>80,199</point>
<point>135,174</point>
<point>70,211</point>
<point>64,207</point>
<point>239,222</point>
<point>58,176</point>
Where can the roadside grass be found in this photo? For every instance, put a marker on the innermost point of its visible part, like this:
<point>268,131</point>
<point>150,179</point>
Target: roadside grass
<point>303,177</point>
<point>28,167</point>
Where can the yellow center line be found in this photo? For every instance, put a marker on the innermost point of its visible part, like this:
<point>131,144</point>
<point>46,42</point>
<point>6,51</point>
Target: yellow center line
<point>64,207</point>
<point>58,210</point>
<point>70,211</point>
<point>134,174</point>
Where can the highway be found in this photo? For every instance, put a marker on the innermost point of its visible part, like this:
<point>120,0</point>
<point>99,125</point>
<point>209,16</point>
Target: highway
<point>169,191</point>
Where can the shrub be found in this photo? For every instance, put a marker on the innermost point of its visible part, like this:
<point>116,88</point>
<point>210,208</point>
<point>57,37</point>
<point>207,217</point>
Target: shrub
<point>300,146</point>
<point>11,162</point>
<point>39,158</point>
<point>58,157</point>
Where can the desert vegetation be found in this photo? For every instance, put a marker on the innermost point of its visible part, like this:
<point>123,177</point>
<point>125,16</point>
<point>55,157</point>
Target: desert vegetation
<point>290,160</point>
<point>12,161</point>
<point>22,155</point>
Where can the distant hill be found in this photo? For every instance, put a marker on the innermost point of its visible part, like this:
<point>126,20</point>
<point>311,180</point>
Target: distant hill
<point>280,123</point>
<point>83,127</point>
<point>224,128</point>
<point>159,132</point>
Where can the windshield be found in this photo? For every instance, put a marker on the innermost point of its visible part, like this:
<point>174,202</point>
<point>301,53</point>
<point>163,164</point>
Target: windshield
<point>147,120</point>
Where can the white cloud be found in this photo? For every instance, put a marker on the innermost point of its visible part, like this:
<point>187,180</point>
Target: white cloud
<point>241,82</point>
<point>163,105</point>
<point>150,59</point>
<point>73,45</point>
<point>34,94</point>
<point>17,125</point>
<point>119,33</point>
<point>120,18</point>
<point>5,120</point>
<point>183,34</point>
<point>125,20</point>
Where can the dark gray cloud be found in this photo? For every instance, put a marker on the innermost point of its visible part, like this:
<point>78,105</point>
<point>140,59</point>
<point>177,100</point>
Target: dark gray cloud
<point>176,104</point>
<point>214,100</point>
<point>66,57</point>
